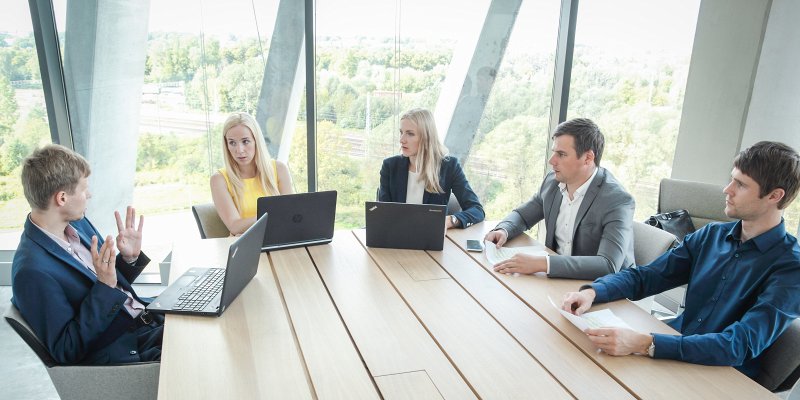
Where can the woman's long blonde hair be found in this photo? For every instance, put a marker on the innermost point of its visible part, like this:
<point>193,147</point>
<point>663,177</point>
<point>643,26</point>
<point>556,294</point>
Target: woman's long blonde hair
<point>431,151</point>
<point>264,170</point>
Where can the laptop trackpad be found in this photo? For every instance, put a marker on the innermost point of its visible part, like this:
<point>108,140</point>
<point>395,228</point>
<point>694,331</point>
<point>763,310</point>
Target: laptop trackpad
<point>184,281</point>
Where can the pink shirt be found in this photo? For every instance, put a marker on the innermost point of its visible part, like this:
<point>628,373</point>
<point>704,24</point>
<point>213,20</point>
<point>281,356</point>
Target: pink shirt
<point>74,247</point>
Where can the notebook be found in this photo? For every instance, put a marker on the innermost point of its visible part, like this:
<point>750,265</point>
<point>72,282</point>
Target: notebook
<point>208,291</point>
<point>301,219</point>
<point>405,226</point>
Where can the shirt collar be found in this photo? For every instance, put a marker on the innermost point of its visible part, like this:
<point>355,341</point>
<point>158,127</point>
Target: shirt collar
<point>581,190</point>
<point>762,242</point>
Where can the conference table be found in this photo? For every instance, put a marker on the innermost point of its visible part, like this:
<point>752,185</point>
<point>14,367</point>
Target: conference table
<point>346,321</point>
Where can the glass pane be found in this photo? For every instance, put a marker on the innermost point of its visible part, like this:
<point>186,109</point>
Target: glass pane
<point>508,160</point>
<point>630,79</point>
<point>357,99</point>
<point>394,56</point>
<point>167,77</point>
<point>23,115</point>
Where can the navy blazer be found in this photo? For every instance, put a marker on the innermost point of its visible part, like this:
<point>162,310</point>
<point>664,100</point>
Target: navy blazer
<point>79,319</point>
<point>394,183</point>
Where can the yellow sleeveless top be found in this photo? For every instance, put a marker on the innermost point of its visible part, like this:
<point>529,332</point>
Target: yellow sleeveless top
<point>252,191</point>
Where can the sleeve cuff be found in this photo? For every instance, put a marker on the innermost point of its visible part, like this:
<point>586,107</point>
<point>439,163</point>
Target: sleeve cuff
<point>601,292</point>
<point>667,346</point>
<point>547,258</point>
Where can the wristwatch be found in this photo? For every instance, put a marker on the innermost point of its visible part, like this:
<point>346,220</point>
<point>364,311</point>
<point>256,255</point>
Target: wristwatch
<point>651,351</point>
<point>454,220</point>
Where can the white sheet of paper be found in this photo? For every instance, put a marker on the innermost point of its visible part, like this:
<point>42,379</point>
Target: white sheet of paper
<point>595,319</point>
<point>495,255</point>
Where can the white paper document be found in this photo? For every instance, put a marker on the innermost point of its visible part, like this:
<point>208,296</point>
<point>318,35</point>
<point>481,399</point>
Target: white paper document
<point>595,319</point>
<point>495,255</point>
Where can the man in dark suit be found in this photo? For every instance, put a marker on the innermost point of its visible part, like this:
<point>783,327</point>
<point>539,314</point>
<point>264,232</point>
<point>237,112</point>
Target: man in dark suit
<point>588,214</point>
<point>77,298</point>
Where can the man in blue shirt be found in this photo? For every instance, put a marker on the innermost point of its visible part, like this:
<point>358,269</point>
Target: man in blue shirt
<point>743,277</point>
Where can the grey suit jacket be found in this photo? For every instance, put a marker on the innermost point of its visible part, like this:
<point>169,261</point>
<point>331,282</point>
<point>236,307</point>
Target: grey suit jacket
<point>602,241</point>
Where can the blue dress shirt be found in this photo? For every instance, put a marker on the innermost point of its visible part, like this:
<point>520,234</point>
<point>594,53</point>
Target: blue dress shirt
<point>740,296</point>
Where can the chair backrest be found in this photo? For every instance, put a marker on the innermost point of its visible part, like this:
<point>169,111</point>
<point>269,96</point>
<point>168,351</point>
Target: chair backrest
<point>705,202</point>
<point>18,323</point>
<point>650,242</point>
<point>208,221</point>
<point>780,363</point>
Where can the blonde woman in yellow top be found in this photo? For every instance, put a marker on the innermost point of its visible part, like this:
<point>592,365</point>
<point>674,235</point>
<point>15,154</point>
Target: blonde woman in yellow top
<point>249,173</point>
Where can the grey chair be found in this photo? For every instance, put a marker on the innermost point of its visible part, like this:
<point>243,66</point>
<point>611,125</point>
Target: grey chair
<point>780,365</point>
<point>648,243</point>
<point>208,221</point>
<point>705,202</point>
<point>87,382</point>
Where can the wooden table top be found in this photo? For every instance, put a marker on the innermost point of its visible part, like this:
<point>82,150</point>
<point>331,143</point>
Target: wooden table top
<point>345,321</point>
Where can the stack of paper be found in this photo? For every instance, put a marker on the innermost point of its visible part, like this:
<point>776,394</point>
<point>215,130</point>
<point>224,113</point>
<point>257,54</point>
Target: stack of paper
<point>495,255</point>
<point>595,319</point>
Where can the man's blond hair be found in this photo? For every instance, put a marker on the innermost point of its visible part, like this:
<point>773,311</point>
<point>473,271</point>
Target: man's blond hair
<point>49,170</point>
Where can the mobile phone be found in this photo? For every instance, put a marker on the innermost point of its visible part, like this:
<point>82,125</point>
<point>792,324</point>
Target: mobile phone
<point>474,245</point>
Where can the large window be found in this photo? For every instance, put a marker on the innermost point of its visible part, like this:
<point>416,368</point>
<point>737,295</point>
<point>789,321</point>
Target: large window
<point>629,76</point>
<point>148,113</point>
<point>508,160</point>
<point>23,115</point>
<point>464,61</point>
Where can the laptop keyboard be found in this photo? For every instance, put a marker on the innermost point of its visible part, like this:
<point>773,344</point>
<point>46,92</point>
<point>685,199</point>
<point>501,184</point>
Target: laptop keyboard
<point>209,286</point>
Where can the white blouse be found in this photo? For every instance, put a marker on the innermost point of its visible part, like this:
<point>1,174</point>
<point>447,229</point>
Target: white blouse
<point>415,189</point>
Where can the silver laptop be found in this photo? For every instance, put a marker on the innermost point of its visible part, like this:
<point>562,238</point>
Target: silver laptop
<point>405,226</point>
<point>208,291</point>
<point>302,219</point>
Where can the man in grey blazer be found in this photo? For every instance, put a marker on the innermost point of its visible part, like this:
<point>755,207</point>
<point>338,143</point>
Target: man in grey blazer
<point>588,214</point>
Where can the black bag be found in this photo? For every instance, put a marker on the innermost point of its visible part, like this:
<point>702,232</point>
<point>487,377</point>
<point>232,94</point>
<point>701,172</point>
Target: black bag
<point>678,223</point>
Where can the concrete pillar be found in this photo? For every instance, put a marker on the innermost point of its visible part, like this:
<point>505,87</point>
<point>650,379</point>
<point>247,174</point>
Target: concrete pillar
<point>282,87</point>
<point>725,58</point>
<point>774,112</point>
<point>481,75</point>
<point>104,56</point>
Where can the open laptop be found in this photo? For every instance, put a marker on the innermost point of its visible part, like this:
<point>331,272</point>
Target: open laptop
<point>302,219</point>
<point>405,226</point>
<point>208,291</point>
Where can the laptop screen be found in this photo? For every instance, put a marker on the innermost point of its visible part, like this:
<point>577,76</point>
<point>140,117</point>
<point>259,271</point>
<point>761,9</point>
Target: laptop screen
<point>243,257</point>
<point>298,218</point>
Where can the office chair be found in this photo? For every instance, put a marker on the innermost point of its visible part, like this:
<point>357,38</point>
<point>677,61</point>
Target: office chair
<point>705,202</point>
<point>86,382</point>
<point>648,243</point>
<point>208,221</point>
<point>780,365</point>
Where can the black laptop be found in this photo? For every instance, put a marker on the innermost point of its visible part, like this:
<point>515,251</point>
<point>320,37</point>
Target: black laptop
<point>208,291</point>
<point>302,219</point>
<point>405,226</point>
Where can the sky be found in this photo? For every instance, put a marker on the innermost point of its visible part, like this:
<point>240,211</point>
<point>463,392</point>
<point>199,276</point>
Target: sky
<point>666,26</point>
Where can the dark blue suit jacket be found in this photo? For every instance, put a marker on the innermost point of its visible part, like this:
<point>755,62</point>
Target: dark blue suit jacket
<point>80,320</point>
<point>394,183</point>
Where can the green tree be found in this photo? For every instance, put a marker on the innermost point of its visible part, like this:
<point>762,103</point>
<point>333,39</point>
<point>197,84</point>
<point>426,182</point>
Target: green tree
<point>8,108</point>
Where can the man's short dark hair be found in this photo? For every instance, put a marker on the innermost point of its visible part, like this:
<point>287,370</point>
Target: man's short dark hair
<point>773,165</point>
<point>587,136</point>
